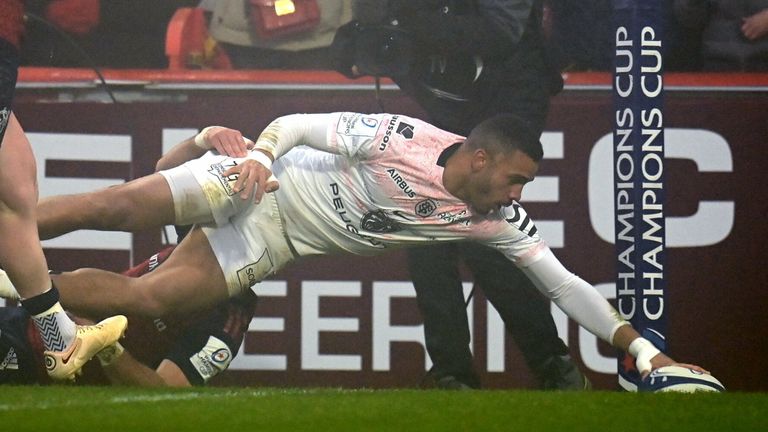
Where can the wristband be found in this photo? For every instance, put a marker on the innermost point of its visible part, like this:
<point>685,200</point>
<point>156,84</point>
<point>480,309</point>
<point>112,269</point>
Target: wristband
<point>110,354</point>
<point>201,140</point>
<point>643,351</point>
<point>260,157</point>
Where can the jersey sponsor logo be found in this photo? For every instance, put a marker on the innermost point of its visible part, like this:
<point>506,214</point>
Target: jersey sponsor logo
<point>370,122</point>
<point>154,261</point>
<point>212,359</point>
<point>517,216</point>
<point>252,274</point>
<point>377,221</point>
<point>461,217</point>
<point>405,130</point>
<point>227,182</point>
<point>425,208</point>
<point>352,124</point>
<point>11,361</point>
<point>388,134</point>
<point>338,205</point>
<point>400,182</point>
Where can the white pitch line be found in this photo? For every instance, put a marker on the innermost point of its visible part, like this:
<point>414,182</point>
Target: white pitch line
<point>128,399</point>
<point>172,397</point>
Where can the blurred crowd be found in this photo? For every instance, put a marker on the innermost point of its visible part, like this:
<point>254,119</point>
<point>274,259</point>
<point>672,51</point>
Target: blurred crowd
<point>708,35</point>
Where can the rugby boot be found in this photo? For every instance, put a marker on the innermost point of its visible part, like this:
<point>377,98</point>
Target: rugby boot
<point>64,365</point>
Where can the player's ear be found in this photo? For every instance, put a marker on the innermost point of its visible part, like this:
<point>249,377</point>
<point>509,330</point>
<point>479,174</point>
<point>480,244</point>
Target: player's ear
<point>480,159</point>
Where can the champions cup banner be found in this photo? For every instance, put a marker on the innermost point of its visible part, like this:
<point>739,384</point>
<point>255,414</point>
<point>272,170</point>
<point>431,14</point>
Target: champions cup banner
<point>639,193</point>
<point>353,321</point>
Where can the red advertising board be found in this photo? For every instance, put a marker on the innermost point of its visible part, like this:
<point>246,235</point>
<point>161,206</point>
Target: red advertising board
<point>353,322</point>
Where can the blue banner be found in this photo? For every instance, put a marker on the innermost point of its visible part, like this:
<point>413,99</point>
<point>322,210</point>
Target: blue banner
<point>639,174</point>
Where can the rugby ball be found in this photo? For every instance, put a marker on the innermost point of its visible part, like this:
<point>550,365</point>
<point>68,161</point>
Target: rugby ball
<point>680,379</point>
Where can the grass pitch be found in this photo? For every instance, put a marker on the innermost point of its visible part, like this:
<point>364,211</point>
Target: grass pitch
<point>100,409</point>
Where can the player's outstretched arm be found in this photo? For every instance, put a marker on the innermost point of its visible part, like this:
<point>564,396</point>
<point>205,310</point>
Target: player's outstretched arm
<point>581,301</point>
<point>121,368</point>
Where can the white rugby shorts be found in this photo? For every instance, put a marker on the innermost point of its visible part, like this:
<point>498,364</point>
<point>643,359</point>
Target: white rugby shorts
<point>248,239</point>
<point>201,193</point>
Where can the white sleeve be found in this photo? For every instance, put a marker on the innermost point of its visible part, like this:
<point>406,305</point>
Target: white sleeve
<point>340,133</point>
<point>287,132</point>
<point>577,298</point>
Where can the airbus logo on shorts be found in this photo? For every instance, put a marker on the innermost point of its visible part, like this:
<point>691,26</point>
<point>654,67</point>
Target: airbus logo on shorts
<point>217,170</point>
<point>400,182</point>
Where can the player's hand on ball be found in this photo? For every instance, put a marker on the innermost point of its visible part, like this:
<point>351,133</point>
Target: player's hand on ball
<point>661,360</point>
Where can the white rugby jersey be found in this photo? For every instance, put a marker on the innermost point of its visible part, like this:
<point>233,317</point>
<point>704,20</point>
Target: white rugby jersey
<point>377,184</point>
<point>373,182</point>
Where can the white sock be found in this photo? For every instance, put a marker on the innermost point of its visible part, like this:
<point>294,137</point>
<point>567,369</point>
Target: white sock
<point>56,329</point>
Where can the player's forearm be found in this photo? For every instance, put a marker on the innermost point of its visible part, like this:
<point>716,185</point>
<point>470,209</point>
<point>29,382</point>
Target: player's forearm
<point>578,299</point>
<point>586,306</point>
<point>126,370</point>
<point>287,132</point>
<point>180,153</point>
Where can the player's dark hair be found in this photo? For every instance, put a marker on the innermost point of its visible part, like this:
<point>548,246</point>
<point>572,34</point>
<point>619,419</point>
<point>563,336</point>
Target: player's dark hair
<point>505,133</point>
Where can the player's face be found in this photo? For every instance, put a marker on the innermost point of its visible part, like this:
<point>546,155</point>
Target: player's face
<point>500,180</point>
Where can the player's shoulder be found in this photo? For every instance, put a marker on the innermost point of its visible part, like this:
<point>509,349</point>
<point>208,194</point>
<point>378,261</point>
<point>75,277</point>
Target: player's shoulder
<point>516,218</point>
<point>370,124</point>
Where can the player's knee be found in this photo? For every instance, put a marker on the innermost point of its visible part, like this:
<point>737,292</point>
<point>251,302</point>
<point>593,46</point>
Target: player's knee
<point>21,199</point>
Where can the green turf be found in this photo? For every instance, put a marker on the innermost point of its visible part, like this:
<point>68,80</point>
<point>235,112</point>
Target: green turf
<point>260,409</point>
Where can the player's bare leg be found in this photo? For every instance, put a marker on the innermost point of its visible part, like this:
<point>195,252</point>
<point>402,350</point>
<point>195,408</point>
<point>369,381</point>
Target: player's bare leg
<point>67,345</point>
<point>137,205</point>
<point>21,254</point>
<point>188,281</point>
